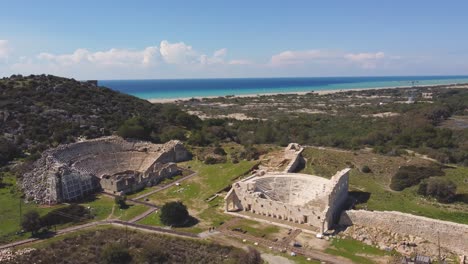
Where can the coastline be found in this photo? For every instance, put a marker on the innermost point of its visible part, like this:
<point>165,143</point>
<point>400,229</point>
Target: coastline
<point>321,92</point>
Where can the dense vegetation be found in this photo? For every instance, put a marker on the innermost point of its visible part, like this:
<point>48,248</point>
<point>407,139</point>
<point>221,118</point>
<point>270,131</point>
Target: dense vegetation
<point>408,176</point>
<point>37,112</point>
<point>42,111</point>
<point>115,245</point>
<point>371,118</point>
<point>444,190</point>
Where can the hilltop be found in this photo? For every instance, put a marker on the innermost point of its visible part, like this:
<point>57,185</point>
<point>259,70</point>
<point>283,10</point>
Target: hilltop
<point>40,111</point>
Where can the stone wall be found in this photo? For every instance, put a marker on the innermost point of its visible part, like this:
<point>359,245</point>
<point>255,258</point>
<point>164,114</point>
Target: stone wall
<point>453,236</point>
<point>338,196</point>
<point>293,152</point>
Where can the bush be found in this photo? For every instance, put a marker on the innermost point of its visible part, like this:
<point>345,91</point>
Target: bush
<point>174,214</point>
<point>31,222</point>
<point>408,176</point>
<point>444,190</point>
<point>120,200</point>
<point>115,253</point>
<point>8,151</point>
<point>366,169</point>
<point>134,128</point>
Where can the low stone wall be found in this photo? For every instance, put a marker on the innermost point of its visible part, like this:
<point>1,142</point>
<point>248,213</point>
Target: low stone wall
<point>453,236</point>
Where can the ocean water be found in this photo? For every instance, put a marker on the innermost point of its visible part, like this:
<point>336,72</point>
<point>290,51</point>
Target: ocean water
<point>187,88</point>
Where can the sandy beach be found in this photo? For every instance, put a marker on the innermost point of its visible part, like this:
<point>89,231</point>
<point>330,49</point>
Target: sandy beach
<point>323,92</point>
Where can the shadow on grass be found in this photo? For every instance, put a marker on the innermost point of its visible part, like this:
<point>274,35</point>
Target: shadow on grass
<point>462,198</point>
<point>191,221</point>
<point>87,198</point>
<point>357,197</point>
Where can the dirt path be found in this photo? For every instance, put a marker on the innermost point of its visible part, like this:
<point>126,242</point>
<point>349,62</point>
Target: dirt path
<point>143,215</point>
<point>109,217</point>
<point>281,245</point>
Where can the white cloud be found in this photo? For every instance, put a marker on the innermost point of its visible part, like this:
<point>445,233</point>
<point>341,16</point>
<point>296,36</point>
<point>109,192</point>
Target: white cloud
<point>178,53</point>
<point>4,49</point>
<point>291,57</point>
<point>366,60</point>
<point>365,56</point>
<point>112,57</point>
<point>240,62</point>
<point>220,53</point>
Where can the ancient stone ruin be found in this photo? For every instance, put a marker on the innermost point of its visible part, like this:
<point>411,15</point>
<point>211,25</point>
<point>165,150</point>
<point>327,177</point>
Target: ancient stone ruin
<point>299,198</point>
<point>116,165</point>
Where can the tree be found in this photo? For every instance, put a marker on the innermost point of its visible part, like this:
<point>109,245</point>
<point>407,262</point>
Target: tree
<point>134,128</point>
<point>174,214</point>
<point>8,151</point>
<point>115,253</point>
<point>120,200</point>
<point>31,222</point>
<point>444,190</point>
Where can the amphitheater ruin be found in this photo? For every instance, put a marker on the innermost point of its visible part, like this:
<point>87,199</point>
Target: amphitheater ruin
<point>295,197</point>
<point>113,164</point>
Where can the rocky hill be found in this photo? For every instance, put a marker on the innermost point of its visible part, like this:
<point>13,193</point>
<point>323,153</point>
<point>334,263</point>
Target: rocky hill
<point>39,111</point>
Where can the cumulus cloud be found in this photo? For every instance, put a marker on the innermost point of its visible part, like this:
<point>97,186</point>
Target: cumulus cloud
<point>178,53</point>
<point>4,49</point>
<point>113,57</point>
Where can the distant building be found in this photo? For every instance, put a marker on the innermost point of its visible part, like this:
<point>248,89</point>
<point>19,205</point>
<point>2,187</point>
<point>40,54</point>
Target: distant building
<point>426,95</point>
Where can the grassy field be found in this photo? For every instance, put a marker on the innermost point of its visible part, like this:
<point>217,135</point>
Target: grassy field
<point>324,162</point>
<point>100,206</point>
<point>9,211</point>
<point>195,191</point>
<point>257,229</point>
<point>356,251</point>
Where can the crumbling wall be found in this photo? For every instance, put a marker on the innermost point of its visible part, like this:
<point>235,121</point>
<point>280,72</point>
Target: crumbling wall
<point>452,236</point>
<point>293,152</point>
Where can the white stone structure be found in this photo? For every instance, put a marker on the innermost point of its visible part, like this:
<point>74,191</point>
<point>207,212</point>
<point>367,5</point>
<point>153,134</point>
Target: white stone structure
<point>114,164</point>
<point>299,198</point>
<point>452,236</point>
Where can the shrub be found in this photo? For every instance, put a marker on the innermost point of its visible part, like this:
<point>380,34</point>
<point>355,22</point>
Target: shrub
<point>408,176</point>
<point>174,214</point>
<point>366,169</point>
<point>444,190</point>
<point>115,253</point>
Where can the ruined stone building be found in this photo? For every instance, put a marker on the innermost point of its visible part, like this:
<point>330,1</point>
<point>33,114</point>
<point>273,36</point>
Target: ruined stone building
<point>295,197</point>
<point>113,164</point>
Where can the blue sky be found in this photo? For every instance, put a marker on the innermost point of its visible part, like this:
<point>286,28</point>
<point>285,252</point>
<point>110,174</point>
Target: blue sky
<point>203,39</point>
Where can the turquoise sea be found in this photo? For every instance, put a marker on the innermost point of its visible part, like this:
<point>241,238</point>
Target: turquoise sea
<point>187,88</point>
